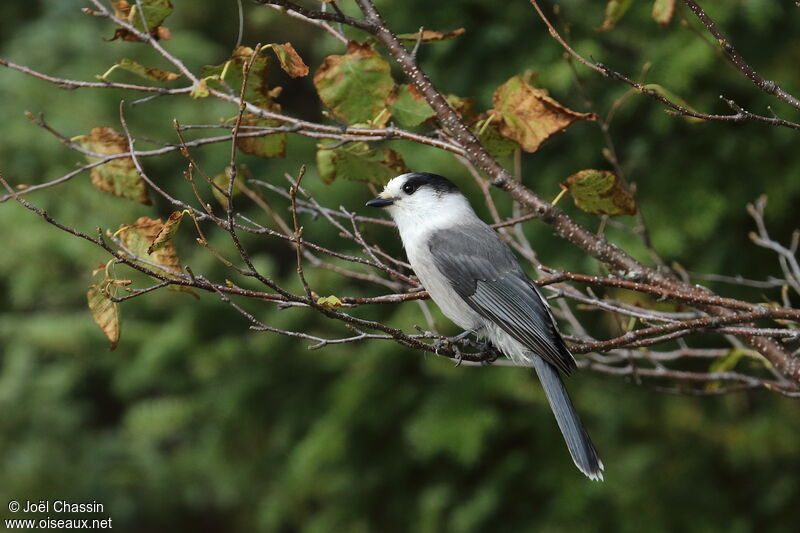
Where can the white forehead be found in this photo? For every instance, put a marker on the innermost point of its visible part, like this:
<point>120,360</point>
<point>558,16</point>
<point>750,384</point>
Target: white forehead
<point>395,184</point>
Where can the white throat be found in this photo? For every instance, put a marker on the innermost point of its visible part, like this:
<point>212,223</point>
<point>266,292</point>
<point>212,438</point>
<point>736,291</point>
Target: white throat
<point>415,224</point>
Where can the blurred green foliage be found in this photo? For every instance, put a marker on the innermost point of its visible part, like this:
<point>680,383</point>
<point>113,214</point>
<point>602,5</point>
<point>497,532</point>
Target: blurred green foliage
<point>196,423</point>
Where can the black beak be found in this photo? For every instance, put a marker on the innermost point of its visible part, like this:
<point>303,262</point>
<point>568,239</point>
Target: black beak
<point>380,202</point>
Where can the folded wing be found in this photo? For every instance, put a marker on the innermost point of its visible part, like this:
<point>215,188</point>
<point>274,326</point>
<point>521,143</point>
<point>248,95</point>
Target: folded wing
<point>485,273</point>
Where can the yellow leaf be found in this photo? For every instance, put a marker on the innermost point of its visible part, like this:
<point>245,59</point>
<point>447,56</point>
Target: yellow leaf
<point>105,314</point>
<point>663,11</point>
<point>200,90</point>
<point>331,302</point>
<point>119,176</point>
<point>166,232</point>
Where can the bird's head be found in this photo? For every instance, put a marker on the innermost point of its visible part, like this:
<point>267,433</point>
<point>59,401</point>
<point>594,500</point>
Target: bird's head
<point>422,198</point>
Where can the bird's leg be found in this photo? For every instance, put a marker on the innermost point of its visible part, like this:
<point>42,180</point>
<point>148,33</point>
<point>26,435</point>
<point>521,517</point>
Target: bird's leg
<point>489,353</point>
<point>453,342</point>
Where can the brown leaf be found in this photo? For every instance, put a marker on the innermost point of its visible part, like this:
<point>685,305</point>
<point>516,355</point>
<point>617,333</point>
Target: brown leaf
<point>140,236</point>
<point>429,36</point>
<point>105,313</point>
<point>272,145</point>
<point>290,60</point>
<point>528,116</point>
<point>119,176</point>
<point>465,107</point>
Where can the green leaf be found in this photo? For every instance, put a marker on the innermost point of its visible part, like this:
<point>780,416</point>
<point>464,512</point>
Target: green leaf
<point>663,11</point>
<point>167,231</point>
<point>119,176</point>
<point>358,162</point>
<point>155,12</point>
<point>528,116</point>
<point>465,107</point>
<point>490,137</point>
<point>409,106</point>
<point>272,145</point>
<point>430,36</point>
<point>232,73</point>
<point>600,192</point>
<point>729,362</point>
<point>150,73</point>
<point>290,60</point>
<point>104,312</point>
<point>355,86</point>
<point>221,180</point>
<point>615,9</point>
<point>331,302</point>
<point>672,97</point>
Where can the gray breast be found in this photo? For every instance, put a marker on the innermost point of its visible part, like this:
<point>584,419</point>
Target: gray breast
<point>440,287</point>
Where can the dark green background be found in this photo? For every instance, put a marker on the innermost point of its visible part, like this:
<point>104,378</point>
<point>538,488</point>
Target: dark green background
<point>197,423</point>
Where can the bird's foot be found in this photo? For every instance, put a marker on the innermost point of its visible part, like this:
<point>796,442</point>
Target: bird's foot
<point>488,353</point>
<point>452,343</point>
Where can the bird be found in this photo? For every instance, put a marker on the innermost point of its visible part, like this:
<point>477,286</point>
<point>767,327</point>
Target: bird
<point>477,282</point>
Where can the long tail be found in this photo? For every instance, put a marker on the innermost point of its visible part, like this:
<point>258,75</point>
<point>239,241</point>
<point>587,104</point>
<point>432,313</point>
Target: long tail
<point>580,445</point>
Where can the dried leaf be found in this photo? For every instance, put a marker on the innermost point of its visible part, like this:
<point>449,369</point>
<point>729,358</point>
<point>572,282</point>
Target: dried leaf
<point>150,73</point>
<point>140,237</point>
<point>167,231</point>
<point>528,116</point>
<point>273,145</point>
<point>409,107</point>
<point>331,302</point>
<point>615,9</point>
<point>105,313</point>
<point>663,11</point>
<point>232,73</point>
<point>600,192</point>
<point>355,86</point>
<point>430,36</point>
<point>672,97</point>
<point>290,60</point>
<point>119,176</point>
<point>358,162</point>
<point>155,12</point>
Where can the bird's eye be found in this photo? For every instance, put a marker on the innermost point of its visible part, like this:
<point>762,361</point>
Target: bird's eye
<point>409,188</point>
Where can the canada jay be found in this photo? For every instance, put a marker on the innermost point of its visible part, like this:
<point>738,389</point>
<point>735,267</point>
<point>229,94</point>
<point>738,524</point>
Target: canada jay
<point>477,282</point>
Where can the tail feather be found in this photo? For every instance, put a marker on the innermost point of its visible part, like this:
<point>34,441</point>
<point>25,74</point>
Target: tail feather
<point>578,442</point>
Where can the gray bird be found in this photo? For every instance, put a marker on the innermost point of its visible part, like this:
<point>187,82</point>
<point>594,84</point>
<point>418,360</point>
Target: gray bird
<point>477,282</point>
